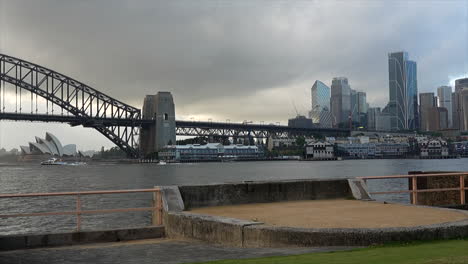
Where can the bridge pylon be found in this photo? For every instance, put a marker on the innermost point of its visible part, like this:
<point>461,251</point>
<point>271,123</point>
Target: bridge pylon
<point>161,109</point>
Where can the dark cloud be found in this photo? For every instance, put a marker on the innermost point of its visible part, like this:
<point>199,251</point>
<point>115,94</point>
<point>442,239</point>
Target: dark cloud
<point>236,59</point>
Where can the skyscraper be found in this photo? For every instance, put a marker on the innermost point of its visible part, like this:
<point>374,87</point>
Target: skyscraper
<point>359,107</point>
<point>320,113</point>
<point>340,101</point>
<point>427,102</point>
<point>461,104</point>
<point>403,91</point>
<point>444,95</point>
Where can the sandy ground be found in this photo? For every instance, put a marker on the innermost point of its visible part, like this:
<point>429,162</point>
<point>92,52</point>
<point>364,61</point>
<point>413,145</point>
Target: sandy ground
<point>335,213</point>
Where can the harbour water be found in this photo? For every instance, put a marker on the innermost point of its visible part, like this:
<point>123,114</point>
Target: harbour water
<point>27,178</point>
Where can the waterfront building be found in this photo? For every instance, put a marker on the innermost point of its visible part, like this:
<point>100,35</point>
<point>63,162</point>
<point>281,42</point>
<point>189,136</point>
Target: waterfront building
<point>433,148</point>
<point>391,149</point>
<point>210,151</point>
<point>444,96</point>
<point>357,150</point>
<point>319,150</point>
<point>460,148</point>
<point>320,111</point>
<point>49,146</point>
<point>340,101</point>
<point>276,143</point>
<point>300,122</point>
<point>403,92</point>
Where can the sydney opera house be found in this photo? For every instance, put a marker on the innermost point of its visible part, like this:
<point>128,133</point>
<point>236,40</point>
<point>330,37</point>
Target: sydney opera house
<point>50,145</point>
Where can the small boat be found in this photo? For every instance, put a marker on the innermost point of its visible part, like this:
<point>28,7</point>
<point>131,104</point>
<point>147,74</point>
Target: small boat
<point>53,161</point>
<point>162,162</point>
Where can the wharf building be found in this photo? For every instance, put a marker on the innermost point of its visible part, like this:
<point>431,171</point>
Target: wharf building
<point>403,92</point>
<point>285,143</point>
<point>373,150</point>
<point>436,148</point>
<point>210,152</point>
<point>320,150</point>
<point>460,148</point>
<point>320,97</point>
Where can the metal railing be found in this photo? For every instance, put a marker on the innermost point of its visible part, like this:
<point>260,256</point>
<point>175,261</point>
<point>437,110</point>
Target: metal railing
<point>414,184</point>
<point>156,208</point>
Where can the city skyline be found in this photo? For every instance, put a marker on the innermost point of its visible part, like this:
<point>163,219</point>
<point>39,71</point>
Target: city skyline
<point>217,54</point>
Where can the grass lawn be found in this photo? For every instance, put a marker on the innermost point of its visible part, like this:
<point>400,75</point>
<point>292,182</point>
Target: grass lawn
<point>437,252</point>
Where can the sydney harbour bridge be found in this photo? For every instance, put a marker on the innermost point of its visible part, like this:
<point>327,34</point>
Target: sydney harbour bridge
<point>30,92</point>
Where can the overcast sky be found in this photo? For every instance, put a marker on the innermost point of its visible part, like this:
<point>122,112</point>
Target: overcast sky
<point>237,60</point>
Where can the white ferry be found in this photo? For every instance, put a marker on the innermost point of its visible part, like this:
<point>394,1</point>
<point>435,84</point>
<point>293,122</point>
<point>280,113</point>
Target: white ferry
<point>55,161</point>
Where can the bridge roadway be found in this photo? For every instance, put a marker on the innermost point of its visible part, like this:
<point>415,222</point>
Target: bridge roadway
<point>183,128</point>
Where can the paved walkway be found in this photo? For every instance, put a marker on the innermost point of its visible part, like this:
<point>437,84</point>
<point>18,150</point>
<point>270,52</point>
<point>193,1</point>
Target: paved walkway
<point>336,214</point>
<point>160,251</point>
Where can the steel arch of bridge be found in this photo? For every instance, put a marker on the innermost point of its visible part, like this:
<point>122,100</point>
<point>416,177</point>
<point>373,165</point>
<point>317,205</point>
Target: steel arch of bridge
<point>116,120</point>
<point>241,130</point>
<point>78,99</point>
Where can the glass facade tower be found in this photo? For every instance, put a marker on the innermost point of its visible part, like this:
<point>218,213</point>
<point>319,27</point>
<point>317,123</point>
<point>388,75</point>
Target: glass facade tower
<point>320,113</point>
<point>403,92</point>
<point>340,102</point>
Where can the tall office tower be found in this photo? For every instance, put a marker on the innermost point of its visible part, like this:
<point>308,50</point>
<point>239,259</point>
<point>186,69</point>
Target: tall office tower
<point>455,119</point>
<point>354,105</point>
<point>403,91</point>
<point>427,103</point>
<point>372,114</point>
<point>320,113</point>
<point>461,103</point>
<point>340,101</point>
<point>362,108</point>
<point>444,95</point>
<point>359,107</point>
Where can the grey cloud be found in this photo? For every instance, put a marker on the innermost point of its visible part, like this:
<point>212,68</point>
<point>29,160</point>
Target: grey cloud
<point>236,52</point>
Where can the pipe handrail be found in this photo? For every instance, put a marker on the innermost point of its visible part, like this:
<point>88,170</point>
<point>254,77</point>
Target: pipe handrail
<point>413,175</point>
<point>15,195</point>
<point>414,184</point>
<point>156,208</point>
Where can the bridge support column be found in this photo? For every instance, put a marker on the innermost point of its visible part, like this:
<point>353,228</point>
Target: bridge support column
<point>161,109</point>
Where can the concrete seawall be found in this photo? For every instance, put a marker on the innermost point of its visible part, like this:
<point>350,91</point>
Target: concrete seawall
<point>245,233</point>
<point>263,192</point>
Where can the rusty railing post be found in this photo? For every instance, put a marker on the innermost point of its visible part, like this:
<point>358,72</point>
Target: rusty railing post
<point>78,213</point>
<point>414,183</point>
<point>462,190</point>
<point>160,207</point>
<point>157,207</point>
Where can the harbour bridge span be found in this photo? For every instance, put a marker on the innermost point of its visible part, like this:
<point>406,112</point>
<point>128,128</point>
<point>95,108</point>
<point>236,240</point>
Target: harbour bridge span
<point>44,95</point>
